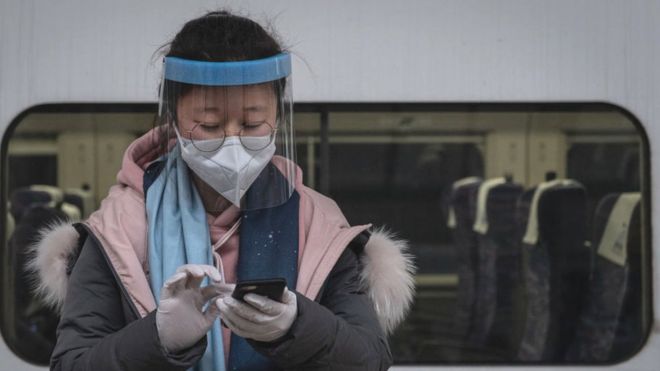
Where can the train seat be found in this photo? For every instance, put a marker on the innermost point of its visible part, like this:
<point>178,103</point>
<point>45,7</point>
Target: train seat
<point>555,268</point>
<point>56,194</point>
<point>461,216</point>
<point>34,321</point>
<point>22,199</point>
<point>498,261</point>
<point>25,198</point>
<point>610,326</point>
<point>81,198</point>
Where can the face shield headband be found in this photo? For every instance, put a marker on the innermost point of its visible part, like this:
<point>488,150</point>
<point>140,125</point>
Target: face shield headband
<point>233,121</point>
<point>228,73</point>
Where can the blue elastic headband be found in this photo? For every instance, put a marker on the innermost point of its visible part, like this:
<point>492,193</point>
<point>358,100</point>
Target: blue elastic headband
<point>228,73</point>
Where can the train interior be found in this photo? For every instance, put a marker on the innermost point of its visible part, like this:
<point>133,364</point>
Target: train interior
<point>527,223</point>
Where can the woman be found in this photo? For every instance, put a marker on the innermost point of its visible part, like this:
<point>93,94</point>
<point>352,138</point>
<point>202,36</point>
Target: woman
<point>211,197</point>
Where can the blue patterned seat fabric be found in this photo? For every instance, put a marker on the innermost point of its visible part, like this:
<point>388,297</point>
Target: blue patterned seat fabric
<point>611,326</point>
<point>463,202</point>
<point>498,272</point>
<point>555,272</point>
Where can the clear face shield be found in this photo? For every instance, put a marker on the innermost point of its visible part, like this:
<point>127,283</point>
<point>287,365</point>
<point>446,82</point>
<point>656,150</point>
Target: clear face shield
<point>233,123</point>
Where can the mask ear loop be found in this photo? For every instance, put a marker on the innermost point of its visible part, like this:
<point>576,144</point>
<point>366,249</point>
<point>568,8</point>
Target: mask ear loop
<point>220,243</point>
<point>227,235</point>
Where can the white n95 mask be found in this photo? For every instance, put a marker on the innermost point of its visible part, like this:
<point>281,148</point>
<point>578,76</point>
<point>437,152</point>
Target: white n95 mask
<point>231,169</point>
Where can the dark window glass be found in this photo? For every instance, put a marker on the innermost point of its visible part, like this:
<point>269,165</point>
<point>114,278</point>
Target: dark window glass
<point>46,163</point>
<point>494,292</point>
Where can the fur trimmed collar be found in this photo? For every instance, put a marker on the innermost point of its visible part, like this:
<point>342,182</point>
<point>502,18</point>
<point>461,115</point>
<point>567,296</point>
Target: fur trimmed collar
<point>387,275</point>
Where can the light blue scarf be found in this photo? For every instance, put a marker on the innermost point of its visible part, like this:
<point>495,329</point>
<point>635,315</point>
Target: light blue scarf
<point>179,234</point>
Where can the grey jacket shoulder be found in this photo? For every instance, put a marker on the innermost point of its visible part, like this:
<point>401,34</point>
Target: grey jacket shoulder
<point>100,330</point>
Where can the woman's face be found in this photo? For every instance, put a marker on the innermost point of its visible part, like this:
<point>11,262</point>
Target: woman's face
<point>211,112</point>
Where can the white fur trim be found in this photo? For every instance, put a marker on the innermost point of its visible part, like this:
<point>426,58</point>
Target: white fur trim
<point>388,275</point>
<point>48,261</point>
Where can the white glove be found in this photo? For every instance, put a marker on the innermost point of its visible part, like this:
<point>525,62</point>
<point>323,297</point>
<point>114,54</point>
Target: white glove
<point>180,318</point>
<point>259,317</point>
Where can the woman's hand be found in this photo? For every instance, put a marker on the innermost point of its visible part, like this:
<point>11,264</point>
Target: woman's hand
<point>259,318</point>
<point>180,318</point>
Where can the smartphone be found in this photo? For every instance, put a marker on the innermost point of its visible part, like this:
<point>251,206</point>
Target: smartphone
<point>272,288</point>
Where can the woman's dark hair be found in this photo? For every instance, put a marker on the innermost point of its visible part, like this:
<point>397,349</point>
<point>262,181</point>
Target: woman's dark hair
<point>220,37</point>
<point>217,36</point>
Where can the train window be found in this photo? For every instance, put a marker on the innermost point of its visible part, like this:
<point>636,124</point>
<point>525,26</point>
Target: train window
<point>528,223</point>
<point>60,162</point>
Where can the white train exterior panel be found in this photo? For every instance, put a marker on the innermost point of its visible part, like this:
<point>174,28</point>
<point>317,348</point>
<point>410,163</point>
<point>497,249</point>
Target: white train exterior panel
<point>366,51</point>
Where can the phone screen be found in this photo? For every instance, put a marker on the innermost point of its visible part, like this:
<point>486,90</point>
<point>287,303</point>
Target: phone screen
<point>272,288</point>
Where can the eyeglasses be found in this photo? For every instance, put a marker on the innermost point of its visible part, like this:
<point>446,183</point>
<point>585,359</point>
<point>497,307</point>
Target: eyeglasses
<point>209,138</point>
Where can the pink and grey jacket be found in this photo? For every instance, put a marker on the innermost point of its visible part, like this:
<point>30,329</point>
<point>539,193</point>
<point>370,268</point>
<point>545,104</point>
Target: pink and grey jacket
<point>383,271</point>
